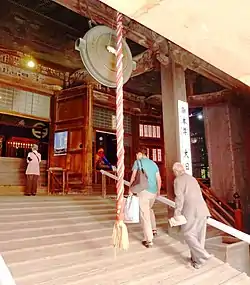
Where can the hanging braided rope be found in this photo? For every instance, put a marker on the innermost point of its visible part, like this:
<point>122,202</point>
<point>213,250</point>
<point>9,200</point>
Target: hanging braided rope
<point>120,233</point>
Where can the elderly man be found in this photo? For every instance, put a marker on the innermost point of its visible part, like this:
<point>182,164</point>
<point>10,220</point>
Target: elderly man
<point>190,203</point>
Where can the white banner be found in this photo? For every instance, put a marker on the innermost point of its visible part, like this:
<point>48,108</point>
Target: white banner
<point>184,136</point>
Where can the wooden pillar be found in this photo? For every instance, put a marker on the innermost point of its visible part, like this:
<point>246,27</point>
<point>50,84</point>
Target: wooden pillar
<point>51,129</point>
<point>227,154</point>
<point>135,136</point>
<point>87,159</point>
<point>190,81</point>
<point>173,89</point>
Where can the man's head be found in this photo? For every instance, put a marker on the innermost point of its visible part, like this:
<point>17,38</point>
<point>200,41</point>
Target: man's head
<point>178,169</point>
<point>34,147</point>
<point>141,152</point>
<point>100,151</point>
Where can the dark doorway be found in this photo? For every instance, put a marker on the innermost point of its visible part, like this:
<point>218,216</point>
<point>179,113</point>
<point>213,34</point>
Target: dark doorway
<point>107,141</point>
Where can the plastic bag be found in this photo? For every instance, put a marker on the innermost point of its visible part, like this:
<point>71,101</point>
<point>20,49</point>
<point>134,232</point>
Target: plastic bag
<point>132,210</point>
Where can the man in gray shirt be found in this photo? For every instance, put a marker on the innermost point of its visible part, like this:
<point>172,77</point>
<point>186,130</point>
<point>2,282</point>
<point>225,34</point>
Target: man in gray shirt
<point>189,202</point>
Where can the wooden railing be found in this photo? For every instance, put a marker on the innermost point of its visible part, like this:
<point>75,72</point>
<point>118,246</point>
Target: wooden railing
<point>220,210</point>
<point>210,221</point>
<point>107,185</point>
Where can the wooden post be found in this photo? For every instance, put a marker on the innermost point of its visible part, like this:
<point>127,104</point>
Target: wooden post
<point>135,136</point>
<point>104,186</point>
<point>63,181</point>
<point>173,89</point>
<point>49,182</point>
<point>51,138</point>
<point>88,167</point>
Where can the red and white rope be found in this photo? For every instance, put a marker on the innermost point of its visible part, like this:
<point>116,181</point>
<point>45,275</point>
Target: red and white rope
<point>119,117</point>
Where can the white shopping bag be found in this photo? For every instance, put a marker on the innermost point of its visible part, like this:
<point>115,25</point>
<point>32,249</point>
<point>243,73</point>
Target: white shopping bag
<point>131,210</point>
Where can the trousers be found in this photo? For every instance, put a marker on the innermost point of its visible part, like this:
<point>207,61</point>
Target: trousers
<point>194,232</point>
<point>147,216</point>
<point>31,187</point>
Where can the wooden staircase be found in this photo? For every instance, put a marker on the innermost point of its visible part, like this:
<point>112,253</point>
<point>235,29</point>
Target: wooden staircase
<point>220,209</point>
<point>58,240</point>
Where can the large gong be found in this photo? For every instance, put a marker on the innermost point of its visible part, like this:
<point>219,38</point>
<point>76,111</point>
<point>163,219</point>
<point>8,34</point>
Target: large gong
<point>97,49</point>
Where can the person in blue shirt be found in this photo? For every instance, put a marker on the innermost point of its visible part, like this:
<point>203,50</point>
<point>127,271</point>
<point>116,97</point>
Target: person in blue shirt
<point>147,197</point>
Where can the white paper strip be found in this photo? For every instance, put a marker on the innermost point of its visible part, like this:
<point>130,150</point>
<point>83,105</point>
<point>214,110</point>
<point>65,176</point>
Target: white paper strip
<point>184,136</point>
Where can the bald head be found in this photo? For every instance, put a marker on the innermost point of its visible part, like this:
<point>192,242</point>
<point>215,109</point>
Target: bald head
<point>178,169</point>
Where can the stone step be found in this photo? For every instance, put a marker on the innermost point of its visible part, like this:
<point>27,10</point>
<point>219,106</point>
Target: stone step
<point>60,229</point>
<point>82,234</point>
<point>92,254</point>
<point>33,243</point>
<point>170,268</point>
<point>218,275</point>
<point>91,267</point>
<point>114,272</point>
<point>71,214</point>
<point>164,276</point>
<point>239,279</point>
<point>29,224</point>
<point>67,241</point>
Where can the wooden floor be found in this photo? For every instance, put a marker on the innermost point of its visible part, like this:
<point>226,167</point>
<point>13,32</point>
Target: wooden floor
<point>67,241</point>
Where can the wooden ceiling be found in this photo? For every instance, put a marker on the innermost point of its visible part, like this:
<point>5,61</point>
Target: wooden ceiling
<point>48,31</point>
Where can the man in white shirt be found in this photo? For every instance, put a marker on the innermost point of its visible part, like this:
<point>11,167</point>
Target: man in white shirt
<point>32,171</point>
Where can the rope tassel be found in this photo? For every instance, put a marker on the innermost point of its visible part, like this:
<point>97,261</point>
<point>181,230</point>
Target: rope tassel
<point>120,232</point>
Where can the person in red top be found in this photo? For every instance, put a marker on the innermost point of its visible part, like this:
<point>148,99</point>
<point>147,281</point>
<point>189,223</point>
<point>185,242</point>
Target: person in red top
<point>101,161</point>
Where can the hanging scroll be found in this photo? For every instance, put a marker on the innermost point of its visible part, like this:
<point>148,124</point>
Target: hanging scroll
<point>184,136</point>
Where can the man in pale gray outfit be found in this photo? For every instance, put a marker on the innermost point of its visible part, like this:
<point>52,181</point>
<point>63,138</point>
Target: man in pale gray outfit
<point>189,202</point>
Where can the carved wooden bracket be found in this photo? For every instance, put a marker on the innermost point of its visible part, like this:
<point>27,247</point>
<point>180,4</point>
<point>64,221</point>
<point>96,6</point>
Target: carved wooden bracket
<point>202,100</point>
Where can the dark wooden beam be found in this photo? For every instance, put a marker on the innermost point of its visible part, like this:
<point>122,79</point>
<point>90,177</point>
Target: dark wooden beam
<point>191,61</point>
<point>105,15</point>
<point>208,99</point>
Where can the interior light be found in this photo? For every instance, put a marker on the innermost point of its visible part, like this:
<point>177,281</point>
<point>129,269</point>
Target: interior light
<point>31,64</point>
<point>200,117</point>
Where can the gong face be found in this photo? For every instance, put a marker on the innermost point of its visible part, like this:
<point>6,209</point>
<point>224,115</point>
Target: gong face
<point>97,50</point>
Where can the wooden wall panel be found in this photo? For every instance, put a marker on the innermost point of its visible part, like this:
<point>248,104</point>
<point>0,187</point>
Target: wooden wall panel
<point>219,147</point>
<point>70,109</point>
<point>58,161</point>
<point>76,162</point>
<point>227,136</point>
<point>75,139</point>
<point>72,114</point>
<point>12,172</point>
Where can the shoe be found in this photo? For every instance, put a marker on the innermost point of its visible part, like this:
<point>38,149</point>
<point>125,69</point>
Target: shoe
<point>147,244</point>
<point>33,194</point>
<point>196,265</point>
<point>26,194</point>
<point>154,233</point>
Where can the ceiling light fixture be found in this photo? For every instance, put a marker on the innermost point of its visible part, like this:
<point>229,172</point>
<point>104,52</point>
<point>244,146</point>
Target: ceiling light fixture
<point>31,64</point>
